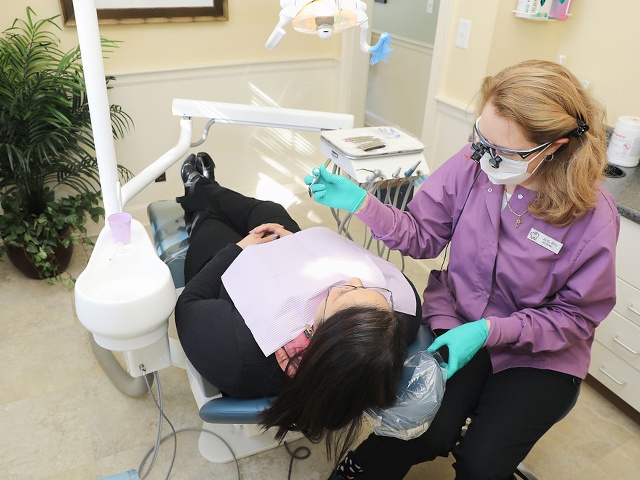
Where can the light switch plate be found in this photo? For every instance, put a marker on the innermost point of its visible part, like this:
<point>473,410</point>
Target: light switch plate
<point>463,33</point>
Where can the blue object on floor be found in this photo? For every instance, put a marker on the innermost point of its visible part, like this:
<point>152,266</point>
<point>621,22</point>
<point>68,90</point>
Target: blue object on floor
<point>130,475</point>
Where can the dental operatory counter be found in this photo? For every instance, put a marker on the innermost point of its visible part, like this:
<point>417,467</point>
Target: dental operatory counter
<point>626,191</point>
<point>614,357</point>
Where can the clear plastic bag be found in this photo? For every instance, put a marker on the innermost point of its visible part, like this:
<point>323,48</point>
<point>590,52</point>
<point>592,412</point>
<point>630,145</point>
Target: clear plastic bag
<point>418,399</point>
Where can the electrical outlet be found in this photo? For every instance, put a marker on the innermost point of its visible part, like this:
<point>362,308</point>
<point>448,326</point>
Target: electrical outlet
<point>462,35</point>
<point>429,6</point>
<point>162,178</point>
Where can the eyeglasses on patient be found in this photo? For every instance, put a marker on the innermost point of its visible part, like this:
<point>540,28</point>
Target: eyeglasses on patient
<point>480,146</point>
<point>344,288</point>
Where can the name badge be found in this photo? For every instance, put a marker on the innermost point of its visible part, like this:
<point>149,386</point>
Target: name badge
<point>544,241</point>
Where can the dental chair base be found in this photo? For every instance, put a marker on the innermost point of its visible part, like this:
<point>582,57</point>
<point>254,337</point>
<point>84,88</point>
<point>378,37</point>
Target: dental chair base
<point>233,419</point>
<point>244,440</point>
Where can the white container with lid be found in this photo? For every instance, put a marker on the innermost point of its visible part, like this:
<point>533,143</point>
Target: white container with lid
<point>624,146</point>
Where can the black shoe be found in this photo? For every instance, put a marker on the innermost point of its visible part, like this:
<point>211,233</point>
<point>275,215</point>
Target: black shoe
<point>335,476</point>
<point>346,469</point>
<point>188,172</point>
<point>205,165</point>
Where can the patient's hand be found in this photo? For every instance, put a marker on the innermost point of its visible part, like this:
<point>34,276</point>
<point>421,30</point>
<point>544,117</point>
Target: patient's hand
<point>265,233</point>
<point>267,229</point>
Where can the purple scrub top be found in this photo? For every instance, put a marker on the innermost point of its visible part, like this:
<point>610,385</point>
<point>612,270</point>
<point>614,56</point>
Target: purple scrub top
<point>544,289</point>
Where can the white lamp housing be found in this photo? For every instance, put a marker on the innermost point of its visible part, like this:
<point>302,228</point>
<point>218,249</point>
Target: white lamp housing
<point>319,17</point>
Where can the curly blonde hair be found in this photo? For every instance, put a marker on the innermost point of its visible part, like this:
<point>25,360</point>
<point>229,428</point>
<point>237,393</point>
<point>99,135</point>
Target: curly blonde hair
<point>548,103</point>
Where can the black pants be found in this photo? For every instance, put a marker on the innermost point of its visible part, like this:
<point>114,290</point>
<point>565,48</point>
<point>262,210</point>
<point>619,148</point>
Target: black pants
<point>221,216</point>
<point>510,411</point>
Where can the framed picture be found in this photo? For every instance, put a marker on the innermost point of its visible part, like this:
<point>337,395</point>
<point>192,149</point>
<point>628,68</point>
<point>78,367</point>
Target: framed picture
<point>151,11</point>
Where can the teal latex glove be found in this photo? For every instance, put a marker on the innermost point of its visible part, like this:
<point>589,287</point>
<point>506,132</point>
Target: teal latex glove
<point>335,191</point>
<point>463,342</point>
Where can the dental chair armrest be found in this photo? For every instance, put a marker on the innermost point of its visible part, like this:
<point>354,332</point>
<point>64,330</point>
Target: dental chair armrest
<point>229,410</point>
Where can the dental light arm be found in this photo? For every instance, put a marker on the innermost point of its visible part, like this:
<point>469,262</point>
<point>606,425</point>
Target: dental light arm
<point>91,51</point>
<point>256,115</point>
<point>289,11</point>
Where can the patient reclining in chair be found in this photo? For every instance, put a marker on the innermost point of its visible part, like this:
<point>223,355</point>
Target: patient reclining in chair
<point>306,316</point>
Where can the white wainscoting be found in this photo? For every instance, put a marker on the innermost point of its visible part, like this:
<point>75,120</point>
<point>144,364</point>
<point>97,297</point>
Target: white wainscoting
<point>397,90</point>
<point>452,126</point>
<point>248,159</point>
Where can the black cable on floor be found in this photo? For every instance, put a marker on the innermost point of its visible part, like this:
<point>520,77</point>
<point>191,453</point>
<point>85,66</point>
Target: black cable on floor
<point>300,453</point>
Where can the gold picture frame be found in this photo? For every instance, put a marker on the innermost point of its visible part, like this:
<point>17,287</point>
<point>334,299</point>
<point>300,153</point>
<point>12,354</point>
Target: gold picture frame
<point>154,11</point>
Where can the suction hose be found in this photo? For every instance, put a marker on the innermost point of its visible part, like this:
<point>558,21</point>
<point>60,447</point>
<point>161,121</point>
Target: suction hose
<point>131,386</point>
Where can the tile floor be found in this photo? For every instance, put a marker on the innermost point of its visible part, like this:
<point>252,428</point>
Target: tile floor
<point>61,417</point>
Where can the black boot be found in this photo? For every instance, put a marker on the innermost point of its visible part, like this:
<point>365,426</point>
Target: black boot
<point>190,175</point>
<point>205,165</point>
<point>189,172</point>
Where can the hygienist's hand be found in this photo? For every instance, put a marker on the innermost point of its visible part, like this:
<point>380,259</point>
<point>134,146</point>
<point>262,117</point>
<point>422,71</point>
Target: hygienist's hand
<point>335,190</point>
<point>463,342</point>
<point>265,233</point>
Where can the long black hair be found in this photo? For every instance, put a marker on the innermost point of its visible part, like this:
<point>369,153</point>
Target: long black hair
<point>353,361</point>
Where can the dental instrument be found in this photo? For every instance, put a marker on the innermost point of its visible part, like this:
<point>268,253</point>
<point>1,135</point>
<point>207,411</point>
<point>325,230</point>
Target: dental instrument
<point>364,138</point>
<point>412,169</point>
<point>369,146</point>
<point>315,180</point>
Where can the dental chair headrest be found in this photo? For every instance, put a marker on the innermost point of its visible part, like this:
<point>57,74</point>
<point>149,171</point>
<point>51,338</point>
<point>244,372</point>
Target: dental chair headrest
<point>418,399</point>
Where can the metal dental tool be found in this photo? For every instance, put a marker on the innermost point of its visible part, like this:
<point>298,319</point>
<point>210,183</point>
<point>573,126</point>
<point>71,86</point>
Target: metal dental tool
<point>317,177</point>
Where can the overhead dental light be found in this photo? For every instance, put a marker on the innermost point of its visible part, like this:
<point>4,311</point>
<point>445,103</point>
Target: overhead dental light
<point>326,17</point>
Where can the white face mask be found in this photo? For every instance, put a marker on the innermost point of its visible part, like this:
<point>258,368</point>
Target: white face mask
<point>509,172</point>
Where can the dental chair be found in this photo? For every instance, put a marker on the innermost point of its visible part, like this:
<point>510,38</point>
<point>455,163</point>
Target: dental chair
<point>235,420</point>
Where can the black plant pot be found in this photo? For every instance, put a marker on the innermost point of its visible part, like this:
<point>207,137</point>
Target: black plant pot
<point>23,260</point>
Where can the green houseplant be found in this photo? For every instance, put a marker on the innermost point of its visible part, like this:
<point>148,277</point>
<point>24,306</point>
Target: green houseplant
<point>49,179</point>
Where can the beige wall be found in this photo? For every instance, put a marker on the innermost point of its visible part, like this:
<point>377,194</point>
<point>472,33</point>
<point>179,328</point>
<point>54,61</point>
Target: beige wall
<point>174,45</point>
<point>464,69</point>
<point>600,43</point>
<point>516,39</point>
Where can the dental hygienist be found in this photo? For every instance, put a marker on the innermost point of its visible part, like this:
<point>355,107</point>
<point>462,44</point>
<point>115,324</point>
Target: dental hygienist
<point>532,234</point>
